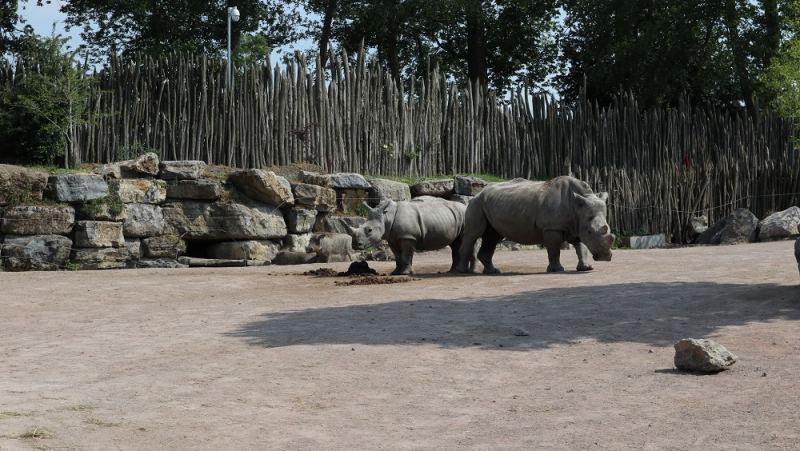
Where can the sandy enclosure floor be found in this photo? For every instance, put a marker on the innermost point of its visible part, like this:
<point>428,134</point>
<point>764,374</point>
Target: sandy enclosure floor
<point>268,358</point>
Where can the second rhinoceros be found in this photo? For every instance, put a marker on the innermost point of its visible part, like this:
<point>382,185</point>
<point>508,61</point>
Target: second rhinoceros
<point>548,213</point>
<point>408,226</point>
<point>797,253</point>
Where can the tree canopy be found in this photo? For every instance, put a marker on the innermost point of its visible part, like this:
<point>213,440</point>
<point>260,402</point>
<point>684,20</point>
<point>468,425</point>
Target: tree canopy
<point>728,52</point>
<point>155,27</point>
<point>712,51</point>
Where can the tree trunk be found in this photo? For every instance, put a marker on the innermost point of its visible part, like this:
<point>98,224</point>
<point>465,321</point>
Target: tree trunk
<point>738,47</point>
<point>325,37</point>
<point>392,53</point>
<point>477,68</point>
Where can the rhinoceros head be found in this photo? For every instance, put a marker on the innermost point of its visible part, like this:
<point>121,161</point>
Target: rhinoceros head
<point>593,228</point>
<point>371,232</point>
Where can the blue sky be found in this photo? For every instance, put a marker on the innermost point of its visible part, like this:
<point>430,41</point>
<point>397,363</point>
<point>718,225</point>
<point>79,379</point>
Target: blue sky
<point>41,18</point>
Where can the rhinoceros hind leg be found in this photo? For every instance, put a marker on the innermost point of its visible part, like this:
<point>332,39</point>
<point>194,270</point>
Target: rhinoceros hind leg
<point>488,245</point>
<point>455,248</point>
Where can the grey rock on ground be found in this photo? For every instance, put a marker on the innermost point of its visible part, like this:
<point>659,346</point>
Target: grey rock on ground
<point>738,227</point>
<point>702,355</point>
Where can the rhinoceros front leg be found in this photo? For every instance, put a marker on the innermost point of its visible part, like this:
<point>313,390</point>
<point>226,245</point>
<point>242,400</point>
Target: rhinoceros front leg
<point>552,240</point>
<point>403,255</point>
<point>583,255</point>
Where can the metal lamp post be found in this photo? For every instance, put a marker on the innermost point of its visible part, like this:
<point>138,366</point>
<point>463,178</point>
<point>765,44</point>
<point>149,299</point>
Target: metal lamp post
<point>233,15</point>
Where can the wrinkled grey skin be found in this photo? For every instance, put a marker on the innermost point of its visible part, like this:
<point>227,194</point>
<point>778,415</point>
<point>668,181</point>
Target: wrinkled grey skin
<point>409,226</point>
<point>326,244</point>
<point>797,253</point>
<point>547,213</point>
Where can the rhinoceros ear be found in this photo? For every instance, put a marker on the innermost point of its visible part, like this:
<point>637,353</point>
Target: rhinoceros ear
<point>603,196</point>
<point>581,200</point>
<point>382,206</point>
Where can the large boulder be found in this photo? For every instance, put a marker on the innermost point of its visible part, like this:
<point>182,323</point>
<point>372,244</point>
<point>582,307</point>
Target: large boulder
<point>99,258</point>
<point>264,186</point>
<point>319,197</point>
<point>702,355</point>
<point>780,225</point>
<point>337,224</point>
<point>203,189</point>
<point>313,178</point>
<point>198,220</point>
<point>134,247</point>
<point>35,253</point>
<point>99,210</point>
<point>383,189</point>
<point>18,184</point>
<point>74,188</point>
<point>143,220</point>
<point>300,220</point>
<point>697,225</point>
<point>142,191</point>
<point>350,200</point>
<point>348,181</point>
<point>109,171</point>
<point>296,243</point>
<point>738,227</point>
<point>38,220</point>
<point>181,170</point>
<point>142,166</point>
<point>468,185</point>
<point>98,234</point>
<point>437,188</point>
<point>170,246</point>
<point>244,250</point>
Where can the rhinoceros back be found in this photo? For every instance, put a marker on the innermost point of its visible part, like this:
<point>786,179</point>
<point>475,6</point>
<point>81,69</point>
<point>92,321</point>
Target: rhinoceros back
<point>433,224</point>
<point>520,210</point>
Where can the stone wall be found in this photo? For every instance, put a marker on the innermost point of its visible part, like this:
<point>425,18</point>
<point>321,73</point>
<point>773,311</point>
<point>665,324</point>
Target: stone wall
<point>151,213</point>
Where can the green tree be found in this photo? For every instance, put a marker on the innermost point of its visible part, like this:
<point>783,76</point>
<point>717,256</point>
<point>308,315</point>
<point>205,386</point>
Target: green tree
<point>499,43</point>
<point>156,27</point>
<point>782,77</point>
<point>47,103</point>
<point>712,51</point>
<point>8,23</point>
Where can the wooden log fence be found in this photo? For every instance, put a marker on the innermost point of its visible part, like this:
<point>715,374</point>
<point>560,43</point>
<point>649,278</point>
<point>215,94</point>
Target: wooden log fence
<point>661,167</point>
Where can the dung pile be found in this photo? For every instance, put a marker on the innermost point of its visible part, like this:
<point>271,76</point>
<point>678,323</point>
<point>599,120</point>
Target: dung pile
<point>358,268</point>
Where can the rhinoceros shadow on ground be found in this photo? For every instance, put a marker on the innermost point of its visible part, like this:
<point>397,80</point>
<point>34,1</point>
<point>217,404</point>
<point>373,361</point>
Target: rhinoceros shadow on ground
<point>654,314</point>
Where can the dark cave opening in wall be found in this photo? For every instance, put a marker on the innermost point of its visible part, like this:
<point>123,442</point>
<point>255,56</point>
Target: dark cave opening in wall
<point>199,248</point>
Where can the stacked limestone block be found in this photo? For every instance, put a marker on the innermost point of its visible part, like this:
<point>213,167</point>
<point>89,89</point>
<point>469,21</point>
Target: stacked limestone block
<point>145,213</point>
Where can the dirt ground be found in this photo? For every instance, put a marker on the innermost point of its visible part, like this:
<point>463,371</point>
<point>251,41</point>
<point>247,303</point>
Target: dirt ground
<point>266,358</point>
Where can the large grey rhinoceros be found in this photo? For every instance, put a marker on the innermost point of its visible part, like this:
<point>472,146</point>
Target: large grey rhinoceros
<point>406,226</point>
<point>548,213</point>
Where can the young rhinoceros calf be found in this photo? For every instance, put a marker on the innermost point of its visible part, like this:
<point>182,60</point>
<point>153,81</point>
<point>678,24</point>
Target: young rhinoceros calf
<point>549,213</point>
<point>331,247</point>
<point>409,226</point>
